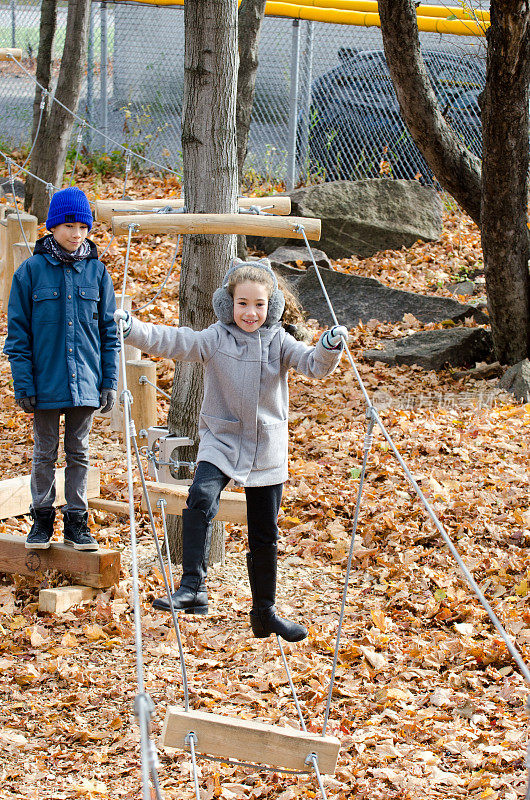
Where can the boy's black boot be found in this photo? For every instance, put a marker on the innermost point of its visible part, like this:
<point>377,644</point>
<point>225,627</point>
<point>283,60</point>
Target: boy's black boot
<point>76,531</point>
<point>42,529</point>
<point>261,565</point>
<point>191,596</point>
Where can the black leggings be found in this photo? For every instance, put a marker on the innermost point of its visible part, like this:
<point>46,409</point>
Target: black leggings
<point>263,503</point>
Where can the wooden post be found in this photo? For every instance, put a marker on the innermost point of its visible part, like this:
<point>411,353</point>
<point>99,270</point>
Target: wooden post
<point>6,52</point>
<point>143,409</point>
<point>115,415</point>
<point>14,235</point>
<point>20,254</point>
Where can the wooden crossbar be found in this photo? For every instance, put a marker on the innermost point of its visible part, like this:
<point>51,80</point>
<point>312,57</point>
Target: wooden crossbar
<point>100,568</point>
<point>118,507</point>
<point>15,493</point>
<point>248,740</point>
<point>55,601</point>
<point>232,505</point>
<point>249,224</point>
<point>6,52</point>
<point>106,209</point>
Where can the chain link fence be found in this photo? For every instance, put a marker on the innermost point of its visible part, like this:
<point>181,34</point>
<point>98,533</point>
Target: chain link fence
<point>324,104</point>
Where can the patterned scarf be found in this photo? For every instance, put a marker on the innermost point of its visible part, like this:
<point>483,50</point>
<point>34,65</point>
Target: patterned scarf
<point>53,248</point>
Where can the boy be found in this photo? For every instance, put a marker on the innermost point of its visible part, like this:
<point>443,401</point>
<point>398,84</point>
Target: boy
<point>63,348</point>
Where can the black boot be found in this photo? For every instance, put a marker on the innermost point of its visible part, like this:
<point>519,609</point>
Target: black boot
<point>192,597</point>
<point>76,531</point>
<point>261,566</point>
<point>42,529</point>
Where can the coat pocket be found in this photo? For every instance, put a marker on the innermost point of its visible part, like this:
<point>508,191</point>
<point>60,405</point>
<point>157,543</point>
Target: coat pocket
<point>88,298</point>
<point>272,444</point>
<point>226,434</point>
<point>46,306</point>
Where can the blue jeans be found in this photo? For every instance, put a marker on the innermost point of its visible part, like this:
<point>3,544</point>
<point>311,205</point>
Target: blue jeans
<point>263,503</point>
<point>77,424</point>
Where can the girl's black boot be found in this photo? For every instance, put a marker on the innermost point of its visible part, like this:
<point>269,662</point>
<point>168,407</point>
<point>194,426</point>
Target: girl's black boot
<point>261,565</point>
<point>191,596</point>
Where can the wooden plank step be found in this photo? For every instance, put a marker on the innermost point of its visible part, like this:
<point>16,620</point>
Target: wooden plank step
<point>232,505</point>
<point>250,224</point>
<point>100,568</point>
<point>106,209</point>
<point>248,740</point>
<point>15,493</point>
<point>117,507</point>
<point>55,601</point>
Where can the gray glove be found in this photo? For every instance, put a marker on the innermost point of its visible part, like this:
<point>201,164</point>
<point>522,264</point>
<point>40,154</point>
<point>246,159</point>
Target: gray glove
<point>121,315</point>
<point>107,398</point>
<point>334,338</point>
<point>27,404</point>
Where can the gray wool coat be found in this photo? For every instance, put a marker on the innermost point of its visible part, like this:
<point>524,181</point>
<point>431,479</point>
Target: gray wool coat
<point>244,413</point>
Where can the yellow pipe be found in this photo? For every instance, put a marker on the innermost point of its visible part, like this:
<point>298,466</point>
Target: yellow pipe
<point>369,19</point>
<point>371,6</point>
<point>457,27</point>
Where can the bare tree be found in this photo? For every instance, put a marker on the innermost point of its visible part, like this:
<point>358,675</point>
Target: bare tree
<point>495,200</point>
<point>51,147</point>
<point>210,186</point>
<point>250,17</point>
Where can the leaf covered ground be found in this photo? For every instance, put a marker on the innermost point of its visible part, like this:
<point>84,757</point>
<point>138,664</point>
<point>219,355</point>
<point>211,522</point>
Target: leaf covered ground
<point>427,701</point>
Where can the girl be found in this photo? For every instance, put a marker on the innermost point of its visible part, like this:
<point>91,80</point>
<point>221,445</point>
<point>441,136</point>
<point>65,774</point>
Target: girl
<point>242,428</point>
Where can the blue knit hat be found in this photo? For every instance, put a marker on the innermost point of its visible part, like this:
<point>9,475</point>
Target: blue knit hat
<point>69,205</point>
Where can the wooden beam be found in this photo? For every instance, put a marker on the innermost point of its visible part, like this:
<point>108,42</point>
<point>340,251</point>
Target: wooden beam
<point>15,223</point>
<point>55,601</point>
<point>143,409</point>
<point>6,52</point>
<point>232,505</point>
<point>100,568</point>
<point>250,224</point>
<point>106,209</point>
<point>248,740</point>
<point>15,493</point>
<point>117,507</point>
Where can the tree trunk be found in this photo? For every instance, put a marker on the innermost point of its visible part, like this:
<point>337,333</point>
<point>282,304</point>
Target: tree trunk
<point>504,179</point>
<point>51,147</point>
<point>456,168</point>
<point>250,17</point>
<point>210,186</point>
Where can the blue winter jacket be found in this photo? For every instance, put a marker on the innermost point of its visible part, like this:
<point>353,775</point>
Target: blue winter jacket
<point>62,341</point>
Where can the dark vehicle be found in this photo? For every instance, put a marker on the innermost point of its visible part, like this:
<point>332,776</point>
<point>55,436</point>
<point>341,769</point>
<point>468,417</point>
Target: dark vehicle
<point>355,129</point>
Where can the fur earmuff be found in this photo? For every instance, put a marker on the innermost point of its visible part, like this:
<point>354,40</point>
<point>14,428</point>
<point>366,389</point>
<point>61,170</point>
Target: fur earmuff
<point>223,302</point>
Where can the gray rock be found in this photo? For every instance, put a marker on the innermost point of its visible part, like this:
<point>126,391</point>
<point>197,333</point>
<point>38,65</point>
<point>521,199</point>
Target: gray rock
<point>432,350</point>
<point>463,287</point>
<point>290,255</point>
<point>358,299</point>
<point>516,380</point>
<point>20,189</point>
<point>363,217</point>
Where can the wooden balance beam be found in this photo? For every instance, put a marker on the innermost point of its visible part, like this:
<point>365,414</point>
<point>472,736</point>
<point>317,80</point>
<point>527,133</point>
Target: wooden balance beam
<point>6,52</point>
<point>106,209</point>
<point>15,493</point>
<point>249,224</point>
<point>100,568</point>
<point>248,740</point>
<point>232,505</point>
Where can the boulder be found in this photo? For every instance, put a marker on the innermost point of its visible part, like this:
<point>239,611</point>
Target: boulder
<point>299,256</point>
<point>433,350</point>
<point>516,380</point>
<point>358,299</point>
<point>364,217</point>
<point>462,288</point>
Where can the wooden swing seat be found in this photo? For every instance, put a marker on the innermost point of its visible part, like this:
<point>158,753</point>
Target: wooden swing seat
<point>248,740</point>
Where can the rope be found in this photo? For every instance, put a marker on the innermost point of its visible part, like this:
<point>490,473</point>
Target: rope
<point>372,413</point>
<point>141,308</point>
<point>92,128</point>
<point>143,379</point>
<point>27,172</point>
